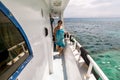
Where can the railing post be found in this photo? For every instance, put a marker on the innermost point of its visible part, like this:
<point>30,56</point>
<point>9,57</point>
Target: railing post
<point>96,67</point>
<point>23,47</point>
<point>89,70</point>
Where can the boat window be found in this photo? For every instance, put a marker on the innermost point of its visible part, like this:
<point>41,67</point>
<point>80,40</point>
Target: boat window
<point>13,49</point>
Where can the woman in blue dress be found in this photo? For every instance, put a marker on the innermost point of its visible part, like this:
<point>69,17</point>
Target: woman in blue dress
<point>59,37</point>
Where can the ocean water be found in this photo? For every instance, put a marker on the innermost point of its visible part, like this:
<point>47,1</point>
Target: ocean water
<point>101,38</point>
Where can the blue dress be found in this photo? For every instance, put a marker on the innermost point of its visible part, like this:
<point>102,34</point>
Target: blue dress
<point>60,38</point>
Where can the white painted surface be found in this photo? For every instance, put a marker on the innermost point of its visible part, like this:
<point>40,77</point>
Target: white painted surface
<point>57,68</point>
<point>28,14</point>
<point>72,69</point>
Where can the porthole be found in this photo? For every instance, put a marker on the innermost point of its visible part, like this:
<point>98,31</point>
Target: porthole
<point>46,32</point>
<point>15,51</point>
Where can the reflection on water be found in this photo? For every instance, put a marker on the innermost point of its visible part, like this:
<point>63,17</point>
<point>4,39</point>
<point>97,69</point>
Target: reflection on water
<point>101,37</point>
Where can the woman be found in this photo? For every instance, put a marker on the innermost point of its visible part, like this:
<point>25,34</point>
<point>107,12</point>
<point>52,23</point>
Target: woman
<point>59,37</point>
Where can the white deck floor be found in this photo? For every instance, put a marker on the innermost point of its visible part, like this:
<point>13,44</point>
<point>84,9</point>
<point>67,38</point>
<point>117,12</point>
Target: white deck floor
<point>58,71</point>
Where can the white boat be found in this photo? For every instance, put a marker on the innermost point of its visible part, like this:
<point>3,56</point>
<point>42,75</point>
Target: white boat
<point>26,45</point>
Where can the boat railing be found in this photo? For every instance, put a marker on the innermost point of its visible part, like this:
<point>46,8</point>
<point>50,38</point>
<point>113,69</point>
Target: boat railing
<point>14,59</point>
<point>15,46</point>
<point>87,58</point>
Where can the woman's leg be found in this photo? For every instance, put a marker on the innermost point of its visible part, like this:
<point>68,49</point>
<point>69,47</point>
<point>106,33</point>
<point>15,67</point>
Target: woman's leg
<point>60,49</point>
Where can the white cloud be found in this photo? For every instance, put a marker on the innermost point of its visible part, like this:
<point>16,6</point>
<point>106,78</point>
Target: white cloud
<point>93,8</point>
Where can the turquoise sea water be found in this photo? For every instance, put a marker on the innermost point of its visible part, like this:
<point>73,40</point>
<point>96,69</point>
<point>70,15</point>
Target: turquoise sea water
<point>101,38</point>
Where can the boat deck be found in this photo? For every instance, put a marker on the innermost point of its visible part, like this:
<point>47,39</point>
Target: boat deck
<point>60,66</point>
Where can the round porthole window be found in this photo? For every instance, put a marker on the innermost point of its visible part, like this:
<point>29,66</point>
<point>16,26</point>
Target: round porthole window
<point>46,32</point>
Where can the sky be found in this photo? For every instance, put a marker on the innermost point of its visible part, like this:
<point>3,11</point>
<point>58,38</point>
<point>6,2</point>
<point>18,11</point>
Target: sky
<point>92,8</point>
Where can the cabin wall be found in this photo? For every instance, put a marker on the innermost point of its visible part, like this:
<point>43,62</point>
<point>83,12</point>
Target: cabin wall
<point>33,16</point>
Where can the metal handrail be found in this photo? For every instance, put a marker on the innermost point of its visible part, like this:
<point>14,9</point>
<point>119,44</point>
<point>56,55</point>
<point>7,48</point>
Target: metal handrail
<point>15,46</point>
<point>97,68</point>
<point>92,63</point>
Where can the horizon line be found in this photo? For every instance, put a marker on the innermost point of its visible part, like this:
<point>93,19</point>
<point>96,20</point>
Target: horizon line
<point>91,17</point>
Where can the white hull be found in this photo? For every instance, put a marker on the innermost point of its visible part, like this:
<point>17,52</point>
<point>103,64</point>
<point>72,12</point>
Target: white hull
<point>33,24</point>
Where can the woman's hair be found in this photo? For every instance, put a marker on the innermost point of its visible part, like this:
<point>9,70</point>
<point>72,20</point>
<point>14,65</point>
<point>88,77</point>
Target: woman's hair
<point>60,21</point>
